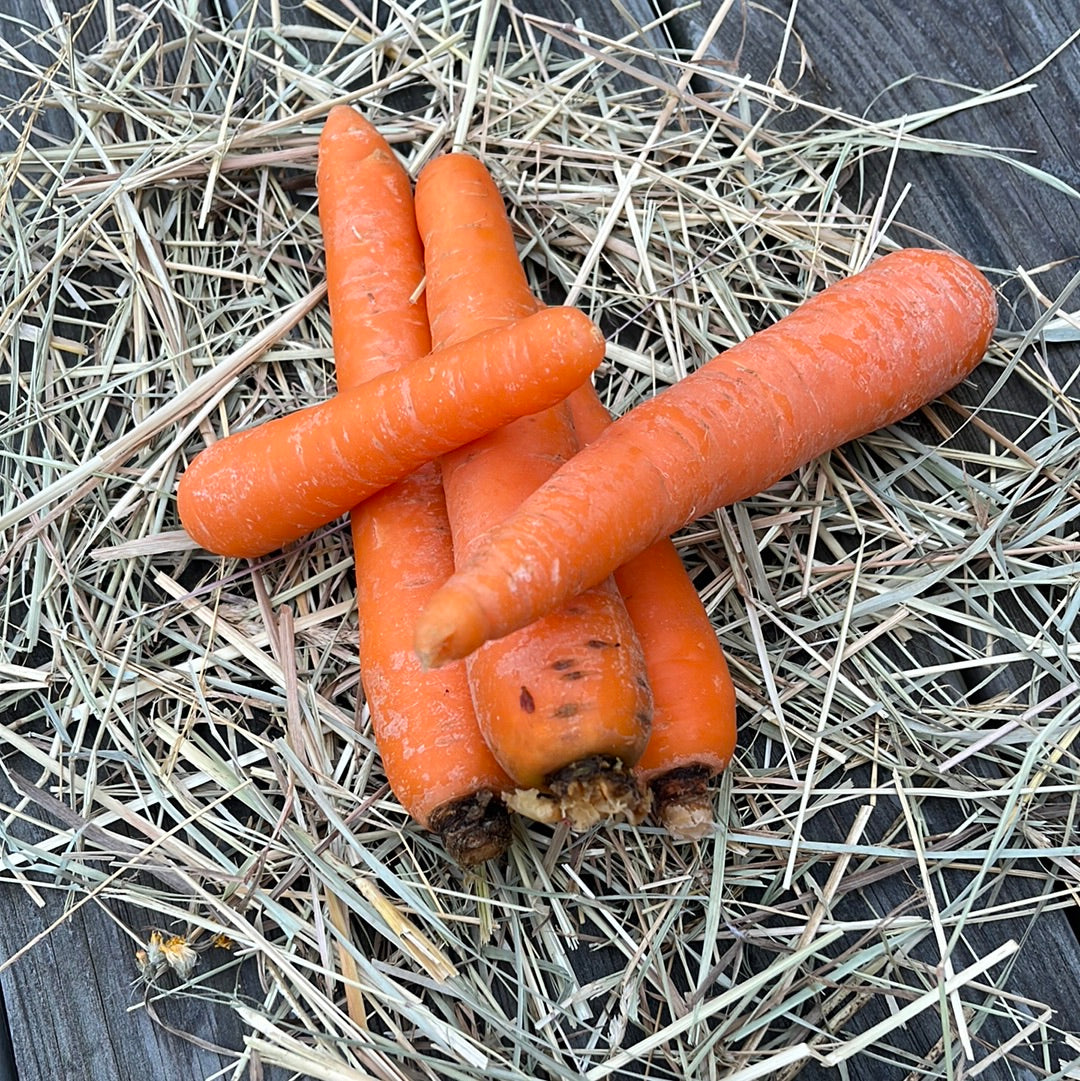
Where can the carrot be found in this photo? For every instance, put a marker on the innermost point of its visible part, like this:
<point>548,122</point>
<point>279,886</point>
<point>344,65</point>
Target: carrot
<point>860,355</point>
<point>258,489</point>
<point>693,731</point>
<point>563,704</point>
<point>432,753</point>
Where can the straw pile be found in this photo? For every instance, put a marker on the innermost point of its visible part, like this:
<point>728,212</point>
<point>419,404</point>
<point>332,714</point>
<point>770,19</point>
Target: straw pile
<point>896,616</point>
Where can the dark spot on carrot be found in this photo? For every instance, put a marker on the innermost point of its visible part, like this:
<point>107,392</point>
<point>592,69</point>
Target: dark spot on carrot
<point>566,710</point>
<point>566,662</point>
<point>577,673</point>
<point>528,704</point>
<point>599,643</point>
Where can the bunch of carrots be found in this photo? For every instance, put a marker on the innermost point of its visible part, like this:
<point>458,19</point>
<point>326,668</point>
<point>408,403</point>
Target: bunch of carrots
<point>529,638</point>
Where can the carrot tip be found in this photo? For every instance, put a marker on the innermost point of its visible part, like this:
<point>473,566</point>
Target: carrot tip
<point>450,627</point>
<point>433,655</point>
<point>474,829</point>
<point>584,794</point>
<point>682,802</point>
<point>342,119</point>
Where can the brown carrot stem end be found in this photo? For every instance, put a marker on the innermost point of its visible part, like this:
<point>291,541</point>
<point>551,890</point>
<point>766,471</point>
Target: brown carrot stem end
<point>585,793</point>
<point>682,802</point>
<point>474,829</point>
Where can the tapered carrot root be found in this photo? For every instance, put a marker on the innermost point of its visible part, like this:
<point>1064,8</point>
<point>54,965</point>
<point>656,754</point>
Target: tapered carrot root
<point>374,259</point>
<point>434,757</point>
<point>261,488</point>
<point>693,730</point>
<point>862,354</point>
<point>564,703</point>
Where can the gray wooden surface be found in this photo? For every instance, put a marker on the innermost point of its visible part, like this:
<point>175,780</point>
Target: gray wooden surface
<point>68,997</point>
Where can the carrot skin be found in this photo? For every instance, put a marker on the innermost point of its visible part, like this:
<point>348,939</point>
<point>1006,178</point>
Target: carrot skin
<point>564,704</point>
<point>694,712</point>
<point>862,354</point>
<point>374,259</point>
<point>423,721</point>
<point>256,490</point>
<point>432,753</point>
<point>480,282</point>
<point>693,697</point>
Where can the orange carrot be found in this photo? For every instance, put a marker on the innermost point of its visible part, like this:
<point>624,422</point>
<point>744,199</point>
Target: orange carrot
<point>564,704</point>
<point>433,755</point>
<point>693,732</point>
<point>258,489</point>
<point>862,354</point>
<point>431,748</point>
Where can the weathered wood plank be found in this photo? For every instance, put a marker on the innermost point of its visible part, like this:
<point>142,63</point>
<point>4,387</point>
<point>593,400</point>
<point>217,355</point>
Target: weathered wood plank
<point>76,1006</point>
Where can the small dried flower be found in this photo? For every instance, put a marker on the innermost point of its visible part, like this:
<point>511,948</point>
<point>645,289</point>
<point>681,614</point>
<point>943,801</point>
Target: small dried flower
<point>179,956</point>
<point>162,953</point>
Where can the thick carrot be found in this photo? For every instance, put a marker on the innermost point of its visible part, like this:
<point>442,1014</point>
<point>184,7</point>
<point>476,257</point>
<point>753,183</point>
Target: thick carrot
<point>862,354</point>
<point>563,704</point>
<point>433,755</point>
<point>693,732</point>
<point>258,489</point>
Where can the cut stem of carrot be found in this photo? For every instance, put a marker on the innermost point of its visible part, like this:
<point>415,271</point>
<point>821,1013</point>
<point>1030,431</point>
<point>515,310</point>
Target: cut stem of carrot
<point>683,801</point>
<point>474,828</point>
<point>590,790</point>
<point>259,489</point>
